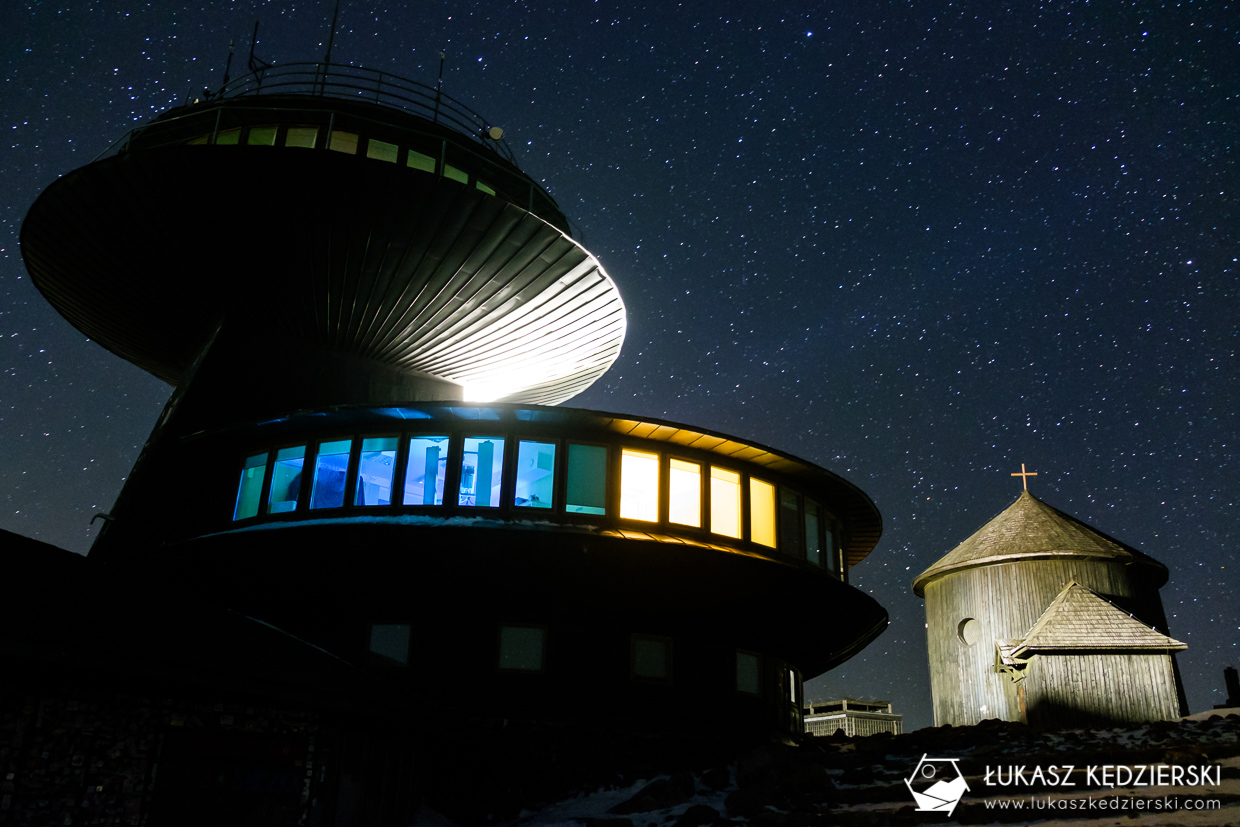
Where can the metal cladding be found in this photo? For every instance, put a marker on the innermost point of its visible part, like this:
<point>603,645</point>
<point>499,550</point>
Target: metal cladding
<point>404,267</point>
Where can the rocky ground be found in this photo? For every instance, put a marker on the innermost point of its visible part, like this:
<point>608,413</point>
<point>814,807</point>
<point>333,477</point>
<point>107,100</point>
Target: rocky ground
<point>843,781</point>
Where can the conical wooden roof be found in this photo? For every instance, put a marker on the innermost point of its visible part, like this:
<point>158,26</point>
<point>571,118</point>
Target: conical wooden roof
<point>1031,529</point>
<point>1078,620</point>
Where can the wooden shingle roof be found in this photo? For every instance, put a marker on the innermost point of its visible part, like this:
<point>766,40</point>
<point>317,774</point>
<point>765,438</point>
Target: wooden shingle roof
<point>1079,620</point>
<point>1031,529</point>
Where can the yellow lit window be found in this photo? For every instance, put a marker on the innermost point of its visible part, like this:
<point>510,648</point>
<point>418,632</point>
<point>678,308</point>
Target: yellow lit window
<point>262,136</point>
<point>302,136</point>
<point>345,142</point>
<point>639,485</point>
<point>419,161</point>
<point>725,502</point>
<point>762,512</point>
<point>684,485</point>
<point>381,151</point>
<point>229,137</point>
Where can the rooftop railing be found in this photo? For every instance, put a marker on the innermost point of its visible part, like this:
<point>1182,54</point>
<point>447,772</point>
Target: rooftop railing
<point>335,80</point>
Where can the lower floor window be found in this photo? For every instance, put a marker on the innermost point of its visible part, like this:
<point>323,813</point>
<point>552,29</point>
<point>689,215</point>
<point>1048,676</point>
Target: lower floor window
<point>748,673</point>
<point>652,658</point>
<point>522,648</point>
<point>391,641</point>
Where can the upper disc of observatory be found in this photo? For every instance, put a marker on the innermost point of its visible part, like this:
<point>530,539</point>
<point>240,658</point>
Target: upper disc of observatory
<point>339,209</point>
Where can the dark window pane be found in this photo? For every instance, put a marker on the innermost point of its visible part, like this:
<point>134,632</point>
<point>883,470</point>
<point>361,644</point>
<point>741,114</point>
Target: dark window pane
<point>748,673</point>
<point>391,640</point>
<point>790,539</point>
<point>521,648</point>
<point>587,479</point>
<point>813,543</point>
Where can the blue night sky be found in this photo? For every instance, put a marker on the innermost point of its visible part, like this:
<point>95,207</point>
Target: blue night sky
<point>915,243</point>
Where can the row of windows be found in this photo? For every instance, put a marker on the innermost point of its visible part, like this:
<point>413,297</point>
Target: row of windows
<point>534,477</point>
<point>523,648</point>
<point>350,143</point>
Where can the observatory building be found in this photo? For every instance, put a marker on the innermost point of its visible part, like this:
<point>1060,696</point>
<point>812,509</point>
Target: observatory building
<point>370,316</point>
<point>1042,619</point>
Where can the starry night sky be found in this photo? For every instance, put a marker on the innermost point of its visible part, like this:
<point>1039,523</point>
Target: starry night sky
<point>916,243</point>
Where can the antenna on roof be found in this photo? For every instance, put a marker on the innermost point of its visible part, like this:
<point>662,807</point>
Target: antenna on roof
<point>331,38</point>
<point>256,64</point>
<point>228,64</point>
<point>439,86</point>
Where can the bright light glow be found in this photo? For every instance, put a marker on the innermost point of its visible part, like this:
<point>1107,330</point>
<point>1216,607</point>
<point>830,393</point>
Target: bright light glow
<point>685,493</point>
<point>639,486</point>
<point>725,502</point>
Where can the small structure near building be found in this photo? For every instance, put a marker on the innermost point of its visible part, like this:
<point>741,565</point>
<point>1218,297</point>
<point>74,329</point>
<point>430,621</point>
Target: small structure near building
<point>853,717</point>
<point>1037,617</point>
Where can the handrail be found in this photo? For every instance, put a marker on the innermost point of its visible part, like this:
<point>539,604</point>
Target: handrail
<point>336,80</point>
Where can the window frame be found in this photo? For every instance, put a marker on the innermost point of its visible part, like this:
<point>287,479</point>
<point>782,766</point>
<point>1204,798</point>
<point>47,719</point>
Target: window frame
<point>669,659</point>
<point>499,648</point>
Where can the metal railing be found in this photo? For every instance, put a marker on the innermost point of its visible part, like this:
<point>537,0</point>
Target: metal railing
<point>335,80</point>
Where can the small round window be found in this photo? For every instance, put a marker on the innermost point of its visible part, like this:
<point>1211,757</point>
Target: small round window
<point>969,631</point>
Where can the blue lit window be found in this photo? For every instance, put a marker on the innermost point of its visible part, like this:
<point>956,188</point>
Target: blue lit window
<point>586,491</point>
<point>482,470</point>
<point>427,468</point>
<point>286,480</point>
<point>535,475</point>
<point>250,490</point>
<point>331,465</point>
<point>375,470</point>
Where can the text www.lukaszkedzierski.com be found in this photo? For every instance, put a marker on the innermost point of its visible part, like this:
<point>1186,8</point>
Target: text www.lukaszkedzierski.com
<point>1112,802</point>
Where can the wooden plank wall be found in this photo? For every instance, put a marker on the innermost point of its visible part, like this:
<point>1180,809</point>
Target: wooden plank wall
<point>1006,599</point>
<point>1101,689</point>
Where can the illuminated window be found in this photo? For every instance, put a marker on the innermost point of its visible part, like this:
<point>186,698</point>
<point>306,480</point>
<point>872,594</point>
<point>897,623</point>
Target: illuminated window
<point>374,471</point>
<point>427,468</point>
<point>251,487</point>
<point>586,492</point>
<point>684,484</point>
<point>813,543</point>
<point>521,648</point>
<point>762,512</point>
<point>535,475</point>
<point>725,502</point>
<point>286,480</point>
<point>748,673</point>
<point>331,464</point>
<point>482,470</point>
<point>455,174</point>
<point>262,136</point>
<point>652,658</point>
<point>302,136</point>
<point>419,161</point>
<point>381,151</point>
<point>484,188</point>
<point>345,142</point>
<point>390,640</point>
<point>639,485</point>
<point>229,137</point>
<point>791,540</point>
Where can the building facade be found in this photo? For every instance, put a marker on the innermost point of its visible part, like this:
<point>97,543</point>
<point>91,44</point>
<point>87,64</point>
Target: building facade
<point>365,449</point>
<point>1038,617</point>
<point>852,717</point>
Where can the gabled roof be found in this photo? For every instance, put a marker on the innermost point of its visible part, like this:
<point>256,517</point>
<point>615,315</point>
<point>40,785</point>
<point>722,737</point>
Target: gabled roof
<point>1031,529</point>
<point>1078,619</point>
